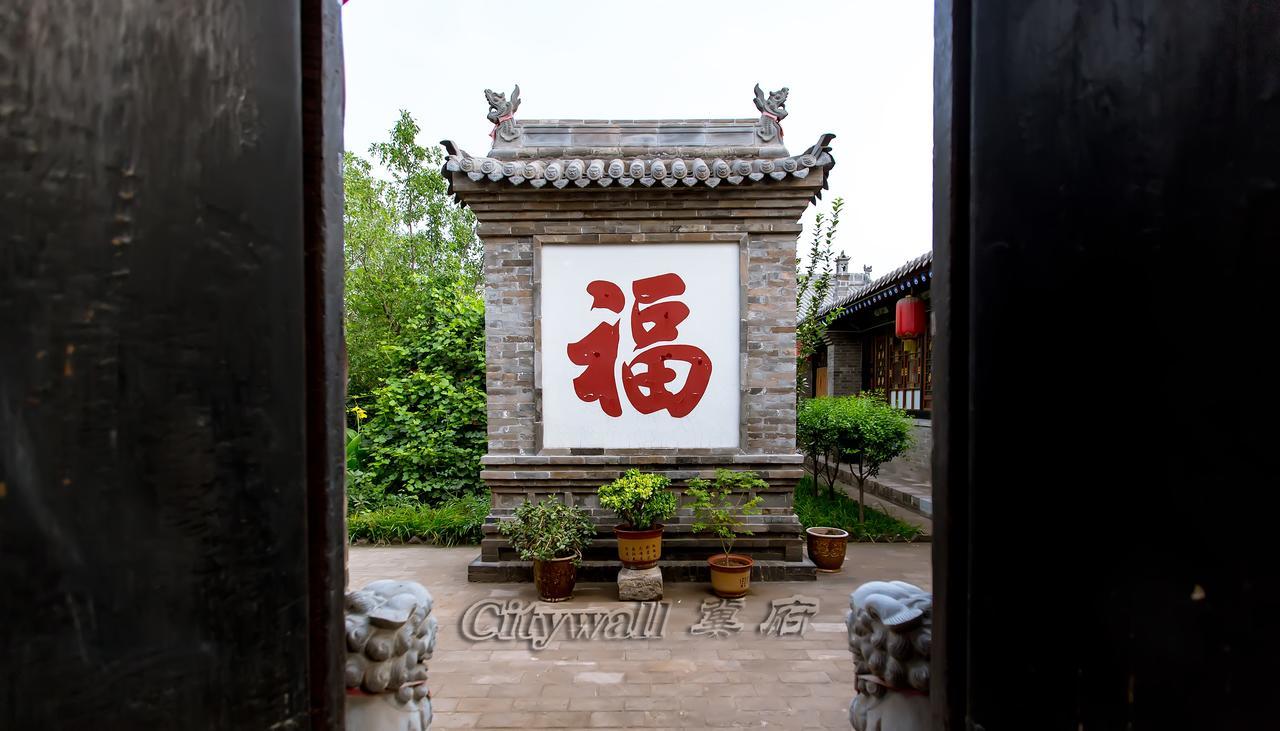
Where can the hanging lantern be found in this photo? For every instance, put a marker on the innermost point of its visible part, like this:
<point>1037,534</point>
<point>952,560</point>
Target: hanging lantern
<point>909,322</point>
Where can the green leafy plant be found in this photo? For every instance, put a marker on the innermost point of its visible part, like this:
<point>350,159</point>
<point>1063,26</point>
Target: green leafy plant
<point>818,435</point>
<point>399,519</point>
<point>427,430</point>
<point>719,506</point>
<point>414,321</point>
<point>640,499</point>
<point>863,431</point>
<point>815,508</point>
<point>548,530</point>
<point>813,284</point>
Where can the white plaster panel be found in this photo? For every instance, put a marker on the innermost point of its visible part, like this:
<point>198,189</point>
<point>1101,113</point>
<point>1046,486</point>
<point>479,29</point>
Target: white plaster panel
<point>712,292</point>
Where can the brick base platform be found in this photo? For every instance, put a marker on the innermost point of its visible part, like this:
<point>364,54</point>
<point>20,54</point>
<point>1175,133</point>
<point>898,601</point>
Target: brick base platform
<point>481,571</point>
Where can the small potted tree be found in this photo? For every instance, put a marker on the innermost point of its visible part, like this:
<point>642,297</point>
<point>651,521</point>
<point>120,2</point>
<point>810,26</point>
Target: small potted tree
<point>552,535</point>
<point>719,507</point>
<point>641,501</point>
<point>863,431</point>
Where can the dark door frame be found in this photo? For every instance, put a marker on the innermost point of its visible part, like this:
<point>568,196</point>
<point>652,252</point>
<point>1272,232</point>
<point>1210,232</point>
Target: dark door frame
<point>322,123</point>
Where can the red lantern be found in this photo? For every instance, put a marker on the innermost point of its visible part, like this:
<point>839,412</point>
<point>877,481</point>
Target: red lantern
<point>910,322</point>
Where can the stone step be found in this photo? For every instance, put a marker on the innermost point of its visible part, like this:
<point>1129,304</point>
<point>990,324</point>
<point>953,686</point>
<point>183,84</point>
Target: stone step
<point>607,571</point>
<point>762,547</point>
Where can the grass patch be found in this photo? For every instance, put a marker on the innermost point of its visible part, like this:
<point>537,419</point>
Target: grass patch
<point>455,522</point>
<point>816,508</point>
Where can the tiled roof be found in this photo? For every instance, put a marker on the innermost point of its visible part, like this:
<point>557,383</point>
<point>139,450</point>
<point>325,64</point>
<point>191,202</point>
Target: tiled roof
<point>647,170</point>
<point>915,273</point>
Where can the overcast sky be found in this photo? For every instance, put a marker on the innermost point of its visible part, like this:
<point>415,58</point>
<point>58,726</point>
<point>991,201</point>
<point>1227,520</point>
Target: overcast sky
<point>859,68</point>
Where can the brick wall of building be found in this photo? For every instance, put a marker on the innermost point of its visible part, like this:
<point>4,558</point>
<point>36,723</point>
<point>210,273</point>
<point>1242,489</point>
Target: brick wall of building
<point>844,364</point>
<point>515,222</point>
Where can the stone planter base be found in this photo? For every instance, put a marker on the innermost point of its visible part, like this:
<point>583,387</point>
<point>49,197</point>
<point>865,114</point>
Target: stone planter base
<point>639,586</point>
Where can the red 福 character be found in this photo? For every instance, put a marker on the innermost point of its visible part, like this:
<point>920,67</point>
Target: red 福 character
<point>598,351</point>
<point>656,322</point>
<point>657,375</point>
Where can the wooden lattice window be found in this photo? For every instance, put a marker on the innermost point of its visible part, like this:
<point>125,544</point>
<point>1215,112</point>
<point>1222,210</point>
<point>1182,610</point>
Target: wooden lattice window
<point>905,378</point>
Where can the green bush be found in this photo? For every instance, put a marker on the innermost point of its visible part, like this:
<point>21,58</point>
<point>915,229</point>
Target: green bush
<point>639,498</point>
<point>414,321</point>
<point>838,510</point>
<point>719,506</point>
<point>818,434</point>
<point>454,522</point>
<point>547,530</point>
<point>863,431</point>
<point>427,430</point>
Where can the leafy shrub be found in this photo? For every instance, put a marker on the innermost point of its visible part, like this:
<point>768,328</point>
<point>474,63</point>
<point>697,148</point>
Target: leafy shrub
<point>427,430</point>
<point>818,435</point>
<point>719,506</point>
<point>414,322</point>
<point>455,522</point>
<point>639,498</point>
<point>548,529</point>
<point>864,431</point>
<point>838,510</point>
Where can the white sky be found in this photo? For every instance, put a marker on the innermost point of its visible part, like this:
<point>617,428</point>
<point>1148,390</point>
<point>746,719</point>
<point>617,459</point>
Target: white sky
<point>862,69</point>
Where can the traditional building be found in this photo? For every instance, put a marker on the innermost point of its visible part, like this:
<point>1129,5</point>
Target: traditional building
<point>862,353</point>
<point>640,312</point>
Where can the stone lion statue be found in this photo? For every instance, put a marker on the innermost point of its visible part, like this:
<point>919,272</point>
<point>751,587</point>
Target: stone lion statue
<point>890,627</point>
<point>390,636</point>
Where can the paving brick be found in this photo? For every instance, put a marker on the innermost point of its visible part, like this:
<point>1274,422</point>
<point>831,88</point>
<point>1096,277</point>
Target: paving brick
<point>678,681</point>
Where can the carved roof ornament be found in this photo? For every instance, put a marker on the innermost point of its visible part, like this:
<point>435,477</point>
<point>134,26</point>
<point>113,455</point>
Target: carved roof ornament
<point>502,113</point>
<point>773,109</point>
<point>647,171</point>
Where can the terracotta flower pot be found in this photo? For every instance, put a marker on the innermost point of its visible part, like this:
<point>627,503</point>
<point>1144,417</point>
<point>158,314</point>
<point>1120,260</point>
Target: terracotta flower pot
<point>827,547</point>
<point>639,549</point>
<point>555,578</point>
<point>730,574</point>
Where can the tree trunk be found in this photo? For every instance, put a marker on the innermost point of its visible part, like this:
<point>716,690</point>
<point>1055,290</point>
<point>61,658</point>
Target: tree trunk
<point>862,517</point>
<point>862,482</point>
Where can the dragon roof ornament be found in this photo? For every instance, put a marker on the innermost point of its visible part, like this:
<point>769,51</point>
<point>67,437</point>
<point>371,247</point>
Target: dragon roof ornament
<point>560,153</point>
<point>647,171</point>
<point>502,113</point>
<point>773,109</point>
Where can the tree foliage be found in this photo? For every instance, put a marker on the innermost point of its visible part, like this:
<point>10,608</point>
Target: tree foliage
<point>404,238</point>
<point>719,506</point>
<point>414,326</point>
<point>640,499</point>
<point>863,431</point>
<point>813,284</point>
<point>548,530</point>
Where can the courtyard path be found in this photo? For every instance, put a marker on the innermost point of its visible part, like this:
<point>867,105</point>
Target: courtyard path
<point>746,678</point>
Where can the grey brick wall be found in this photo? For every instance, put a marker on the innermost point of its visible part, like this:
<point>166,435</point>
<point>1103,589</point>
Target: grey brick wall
<point>516,222</point>
<point>844,364</point>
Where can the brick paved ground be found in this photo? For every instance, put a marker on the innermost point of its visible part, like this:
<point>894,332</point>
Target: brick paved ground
<point>680,681</point>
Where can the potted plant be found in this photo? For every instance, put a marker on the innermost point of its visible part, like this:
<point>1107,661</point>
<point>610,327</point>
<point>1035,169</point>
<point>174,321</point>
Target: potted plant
<point>552,535</point>
<point>719,507</point>
<point>641,500</point>
<point>863,431</point>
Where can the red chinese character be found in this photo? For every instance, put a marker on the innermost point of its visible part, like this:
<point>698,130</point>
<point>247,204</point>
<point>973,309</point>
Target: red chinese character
<point>657,322</point>
<point>661,319</point>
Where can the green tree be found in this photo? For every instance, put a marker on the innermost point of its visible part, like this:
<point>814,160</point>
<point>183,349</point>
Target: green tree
<point>414,325</point>
<point>404,238</point>
<point>813,284</point>
<point>863,431</point>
